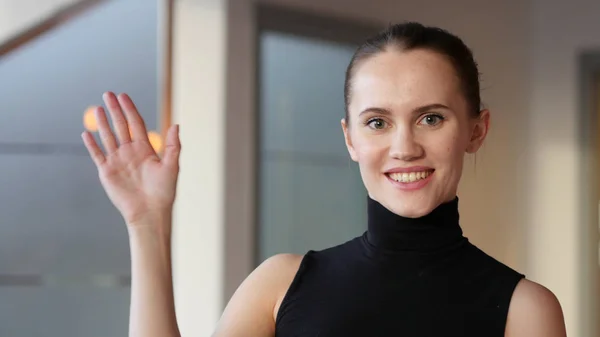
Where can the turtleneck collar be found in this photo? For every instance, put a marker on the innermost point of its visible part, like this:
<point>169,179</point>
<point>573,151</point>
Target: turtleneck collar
<point>433,232</point>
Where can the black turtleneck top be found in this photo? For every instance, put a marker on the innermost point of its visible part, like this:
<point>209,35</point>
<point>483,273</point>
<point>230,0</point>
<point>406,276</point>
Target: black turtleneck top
<point>403,277</point>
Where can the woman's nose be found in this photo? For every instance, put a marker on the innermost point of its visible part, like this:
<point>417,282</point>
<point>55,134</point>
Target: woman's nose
<point>405,146</point>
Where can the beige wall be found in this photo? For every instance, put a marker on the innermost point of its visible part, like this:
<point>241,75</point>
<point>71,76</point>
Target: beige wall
<point>561,30</point>
<point>512,204</point>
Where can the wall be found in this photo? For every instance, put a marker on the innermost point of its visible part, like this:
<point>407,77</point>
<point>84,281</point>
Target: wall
<point>557,233</point>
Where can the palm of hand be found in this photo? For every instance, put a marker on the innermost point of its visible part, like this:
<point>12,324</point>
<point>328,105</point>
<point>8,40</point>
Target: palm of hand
<point>137,181</point>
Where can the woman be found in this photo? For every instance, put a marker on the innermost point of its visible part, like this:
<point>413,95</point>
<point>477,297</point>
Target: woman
<point>412,112</point>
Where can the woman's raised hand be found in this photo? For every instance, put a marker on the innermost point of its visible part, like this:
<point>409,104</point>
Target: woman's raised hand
<point>138,182</point>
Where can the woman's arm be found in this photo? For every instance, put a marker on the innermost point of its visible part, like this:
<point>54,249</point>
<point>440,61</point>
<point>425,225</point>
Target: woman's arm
<point>142,186</point>
<point>152,308</point>
<point>534,312</point>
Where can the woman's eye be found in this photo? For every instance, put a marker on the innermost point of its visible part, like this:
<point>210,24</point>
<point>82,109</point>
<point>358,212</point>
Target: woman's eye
<point>432,120</point>
<point>376,123</point>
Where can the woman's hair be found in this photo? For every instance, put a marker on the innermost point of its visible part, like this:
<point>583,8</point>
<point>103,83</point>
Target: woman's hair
<point>411,35</point>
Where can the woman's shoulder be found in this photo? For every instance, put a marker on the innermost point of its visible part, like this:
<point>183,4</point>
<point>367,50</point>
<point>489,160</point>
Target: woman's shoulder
<point>285,266</point>
<point>285,261</point>
<point>534,311</point>
<point>252,308</point>
<point>276,271</point>
<point>281,270</point>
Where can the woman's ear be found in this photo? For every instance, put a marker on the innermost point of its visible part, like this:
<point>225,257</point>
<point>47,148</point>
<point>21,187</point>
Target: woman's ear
<point>348,140</point>
<point>479,131</point>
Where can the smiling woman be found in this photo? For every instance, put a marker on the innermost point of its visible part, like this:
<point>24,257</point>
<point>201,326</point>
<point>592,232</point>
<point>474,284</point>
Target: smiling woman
<point>412,113</point>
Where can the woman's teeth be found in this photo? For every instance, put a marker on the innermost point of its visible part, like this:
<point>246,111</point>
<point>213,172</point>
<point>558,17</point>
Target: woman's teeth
<point>409,177</point>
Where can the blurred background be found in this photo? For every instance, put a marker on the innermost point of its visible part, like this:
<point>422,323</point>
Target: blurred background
<point>257,87</point>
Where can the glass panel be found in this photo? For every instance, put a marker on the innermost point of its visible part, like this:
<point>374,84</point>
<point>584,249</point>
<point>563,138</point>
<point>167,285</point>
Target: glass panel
<point>63,311</point>
<point>309,206</point>
<point>302,94</point>
<point>56,219</point>
<point>64,254</point>
<point>311,193</point>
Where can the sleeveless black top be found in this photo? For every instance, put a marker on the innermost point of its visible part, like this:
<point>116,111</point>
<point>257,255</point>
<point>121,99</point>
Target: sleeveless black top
<point>403,278</point>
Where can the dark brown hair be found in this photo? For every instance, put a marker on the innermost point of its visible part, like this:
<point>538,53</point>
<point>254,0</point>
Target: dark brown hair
<point>412,35</point>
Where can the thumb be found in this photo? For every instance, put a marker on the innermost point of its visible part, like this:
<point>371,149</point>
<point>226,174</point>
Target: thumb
<point>172,146</point>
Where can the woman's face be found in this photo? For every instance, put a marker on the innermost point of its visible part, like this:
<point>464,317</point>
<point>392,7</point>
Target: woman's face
<point>409,129</point>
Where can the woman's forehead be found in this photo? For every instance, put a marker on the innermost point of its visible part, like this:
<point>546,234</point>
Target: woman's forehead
<point>404,78</point>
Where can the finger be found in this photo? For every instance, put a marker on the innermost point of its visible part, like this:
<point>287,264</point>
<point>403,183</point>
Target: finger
<point>94,150</point>
<point>106,135</point>
<point>136,123</point>
<point>172,146</point>
<point>118,119</point>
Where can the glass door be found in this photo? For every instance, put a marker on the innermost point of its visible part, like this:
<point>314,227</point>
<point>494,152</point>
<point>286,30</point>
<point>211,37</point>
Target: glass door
<point>310,194</point>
